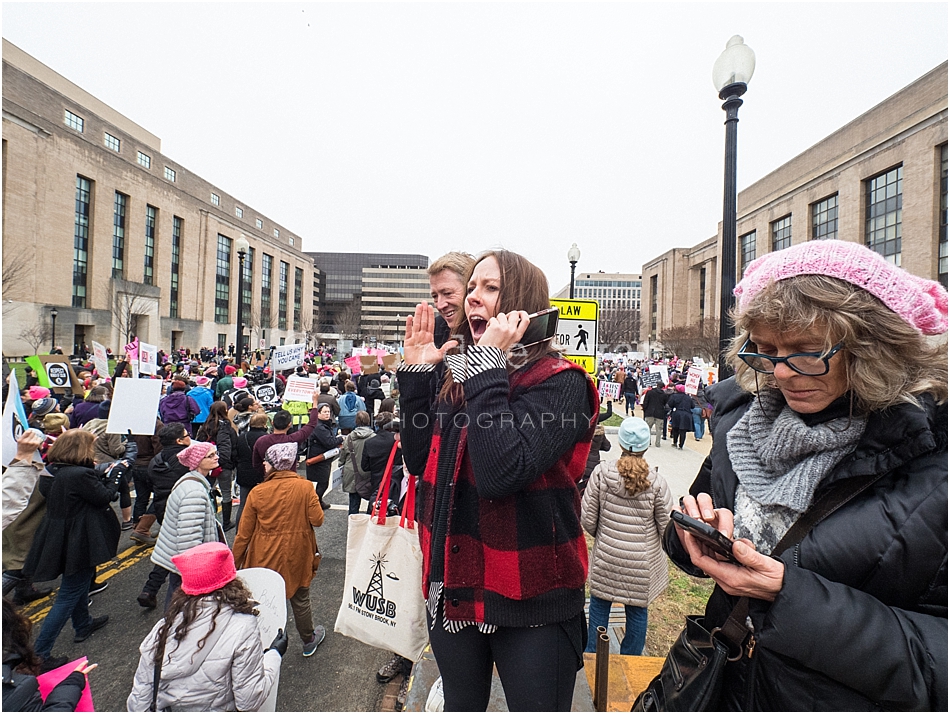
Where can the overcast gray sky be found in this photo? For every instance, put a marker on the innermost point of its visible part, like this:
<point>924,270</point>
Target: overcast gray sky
<point>429,127</point>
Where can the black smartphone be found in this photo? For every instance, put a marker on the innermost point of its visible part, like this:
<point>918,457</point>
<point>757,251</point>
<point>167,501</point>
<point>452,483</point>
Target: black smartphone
<point>706,533</point>
<point>543,326</point>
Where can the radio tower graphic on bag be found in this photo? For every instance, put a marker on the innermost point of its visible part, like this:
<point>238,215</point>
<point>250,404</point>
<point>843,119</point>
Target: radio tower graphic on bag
<point>376,580</point>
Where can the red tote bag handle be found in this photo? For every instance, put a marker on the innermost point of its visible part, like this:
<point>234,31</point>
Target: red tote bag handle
<point>380,513</point>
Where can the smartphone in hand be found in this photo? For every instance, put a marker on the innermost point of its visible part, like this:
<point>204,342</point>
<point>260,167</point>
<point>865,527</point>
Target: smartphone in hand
<point>705,533</point>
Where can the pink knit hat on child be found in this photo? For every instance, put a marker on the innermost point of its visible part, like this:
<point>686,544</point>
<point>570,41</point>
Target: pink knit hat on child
<point>205,568</point>
<point>920,303</point>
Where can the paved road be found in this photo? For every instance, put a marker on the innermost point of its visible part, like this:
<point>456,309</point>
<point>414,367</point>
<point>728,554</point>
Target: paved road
<point>339,677</point>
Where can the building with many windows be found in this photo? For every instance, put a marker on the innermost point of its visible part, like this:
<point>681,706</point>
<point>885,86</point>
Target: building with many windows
<point>368,295</point>
<point>122,240</point>
<point>880,180</point>
<point>610,290</point>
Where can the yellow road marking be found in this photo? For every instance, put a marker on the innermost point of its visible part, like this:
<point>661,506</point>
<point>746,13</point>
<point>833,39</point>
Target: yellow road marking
<point>39,609</point>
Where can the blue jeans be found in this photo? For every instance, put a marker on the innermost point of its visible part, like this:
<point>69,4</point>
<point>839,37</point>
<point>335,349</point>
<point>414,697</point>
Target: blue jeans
<point>72,601</point>
<point>355,502</point>
<point>636,634</point>
<point>631,400</point>
<point>699,425</point>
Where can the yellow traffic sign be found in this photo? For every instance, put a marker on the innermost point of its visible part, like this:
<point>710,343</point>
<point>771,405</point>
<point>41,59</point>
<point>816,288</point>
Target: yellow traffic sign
<point>577,331</point>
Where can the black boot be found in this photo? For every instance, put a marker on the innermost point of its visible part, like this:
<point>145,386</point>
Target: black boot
<point>226,514</point>
<point>24,592</point>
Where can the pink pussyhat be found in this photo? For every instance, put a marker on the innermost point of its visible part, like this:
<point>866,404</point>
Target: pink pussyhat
<point>920,303</point>
<point>205,568</point>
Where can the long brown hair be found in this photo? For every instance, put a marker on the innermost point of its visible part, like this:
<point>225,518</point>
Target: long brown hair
<point>75,446</point>
<point>234,595</point>
<point>216,414</point>
<point>16,639</point>
<point>634,471</point>
<point>523,286</point>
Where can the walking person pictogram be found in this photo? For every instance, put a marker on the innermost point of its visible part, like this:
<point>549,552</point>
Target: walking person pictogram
<point>581,337</point>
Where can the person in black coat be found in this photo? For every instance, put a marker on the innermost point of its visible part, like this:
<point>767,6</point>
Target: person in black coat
<point>320,441</point>
<point>631,390</point>
<point>79,531</point>
<point>836,385</point>
<point>654,411</point>
<point>247,476</point>
<point>376,455</point>
<point>681,415</point>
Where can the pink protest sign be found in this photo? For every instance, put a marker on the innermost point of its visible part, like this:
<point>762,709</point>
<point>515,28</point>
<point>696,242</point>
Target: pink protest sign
<point>49,680</point>
<point>353,363</point>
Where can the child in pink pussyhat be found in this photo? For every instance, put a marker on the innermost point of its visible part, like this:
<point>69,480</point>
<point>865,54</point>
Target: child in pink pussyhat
<point>222,635</point>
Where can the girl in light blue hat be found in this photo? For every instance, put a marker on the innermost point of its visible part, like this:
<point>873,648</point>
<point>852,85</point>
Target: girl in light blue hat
<point>626,507</point>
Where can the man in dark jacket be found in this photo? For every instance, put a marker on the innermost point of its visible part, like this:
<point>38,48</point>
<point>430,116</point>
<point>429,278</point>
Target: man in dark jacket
<point>631,390</point>
<point>367,386</point>
<point>327,398</point>
<point>164,470</point>
<point>654,411</point>
<point>376,453</point>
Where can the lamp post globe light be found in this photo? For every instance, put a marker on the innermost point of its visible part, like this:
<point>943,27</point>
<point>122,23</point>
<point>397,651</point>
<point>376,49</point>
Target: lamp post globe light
<point>731,75</point>
<point>242,246</point>
<point>53,313</point>
<point>573,255</point>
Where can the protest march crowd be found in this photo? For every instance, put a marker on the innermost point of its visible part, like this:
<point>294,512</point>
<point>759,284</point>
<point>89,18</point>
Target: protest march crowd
<point>820,512</point>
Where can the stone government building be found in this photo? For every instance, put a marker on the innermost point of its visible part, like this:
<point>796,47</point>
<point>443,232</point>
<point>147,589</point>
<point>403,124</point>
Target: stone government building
<point>880,180</point>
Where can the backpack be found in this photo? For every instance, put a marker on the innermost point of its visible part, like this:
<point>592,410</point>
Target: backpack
<point>176,407</point>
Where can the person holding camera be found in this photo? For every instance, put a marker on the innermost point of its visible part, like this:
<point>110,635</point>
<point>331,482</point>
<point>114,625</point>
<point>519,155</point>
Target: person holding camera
<point>207,650</point>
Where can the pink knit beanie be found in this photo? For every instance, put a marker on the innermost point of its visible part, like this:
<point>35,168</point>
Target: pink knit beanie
<point>920,303</point>
<point>240,382</point>
<point>205,568</point>
<point>202,381</point>
<point>283,457</point>
<point>192,454</point>
<point>37,392</point>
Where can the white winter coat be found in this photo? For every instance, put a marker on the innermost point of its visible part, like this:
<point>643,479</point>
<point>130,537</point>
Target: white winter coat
<point>627,564</point>
<point>189,520</point>
<point>235,674</point>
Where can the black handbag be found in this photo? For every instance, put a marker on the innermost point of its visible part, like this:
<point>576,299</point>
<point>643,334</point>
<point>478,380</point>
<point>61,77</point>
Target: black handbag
<point>691,677</point>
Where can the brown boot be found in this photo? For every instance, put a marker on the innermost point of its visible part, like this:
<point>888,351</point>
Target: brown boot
<point>142,531</point>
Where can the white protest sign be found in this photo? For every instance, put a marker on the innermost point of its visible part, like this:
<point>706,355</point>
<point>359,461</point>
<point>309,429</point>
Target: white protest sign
<point>693,377</point>
<point>610,389</point>
<point>148,358</point>
<point>300,389</point>
<point>287,357</point>
<point>134,406</point>
<point>269,590</point>
<point>58,375</point>
<point>265,392</point>
<point>336,478</point>
<point>100,359</point>
<point>662,370</point>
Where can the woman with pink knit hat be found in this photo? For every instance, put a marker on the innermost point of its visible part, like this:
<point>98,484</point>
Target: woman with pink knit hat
<point>206,653</point>
<point>829,469</point>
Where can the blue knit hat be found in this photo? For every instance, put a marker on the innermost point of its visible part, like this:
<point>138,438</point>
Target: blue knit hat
<point>634,435</point>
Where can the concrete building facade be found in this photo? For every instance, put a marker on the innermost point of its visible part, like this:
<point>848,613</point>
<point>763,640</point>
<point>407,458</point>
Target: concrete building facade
<point>880,180</point>
<point>122,240</point>
<point>619,291</point>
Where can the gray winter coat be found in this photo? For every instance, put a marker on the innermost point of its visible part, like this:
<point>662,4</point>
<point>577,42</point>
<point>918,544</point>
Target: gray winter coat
<point>235,674</point>
<point>627,564</point>
<point>189,520</point>
<point>351,455</point>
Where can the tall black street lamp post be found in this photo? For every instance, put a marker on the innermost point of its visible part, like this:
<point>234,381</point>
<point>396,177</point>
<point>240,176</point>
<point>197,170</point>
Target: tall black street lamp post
<point>53,313</point>
<point>573,255</point>
<point>242,247</point>
<point>731,74</point>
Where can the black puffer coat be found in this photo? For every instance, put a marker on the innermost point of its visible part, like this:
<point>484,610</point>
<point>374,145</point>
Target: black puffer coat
<point>21,692</point>
<point>80,529</point>
<point>861,621</point>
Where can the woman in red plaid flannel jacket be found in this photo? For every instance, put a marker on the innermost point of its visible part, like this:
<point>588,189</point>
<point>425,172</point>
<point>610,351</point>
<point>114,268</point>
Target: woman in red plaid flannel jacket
<point>500,445</point>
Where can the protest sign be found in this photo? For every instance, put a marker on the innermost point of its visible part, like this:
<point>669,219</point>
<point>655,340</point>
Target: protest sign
<point>148,358</point>
<point>56,372</point>
<point>14,422</point>
<point>300,389</point>
<point>693,378</point>
<point>353,363</point>
<point>651,380</point>
<point>288,356</point>
<point>100,359</point>
<point>390,362</point>
<point>48,681</point>
<point>265,393</point>
<point>267,587</point>
<point>609,389</point>
<point>662,370</point>
<point>134,406</point>
<point>369,364</point>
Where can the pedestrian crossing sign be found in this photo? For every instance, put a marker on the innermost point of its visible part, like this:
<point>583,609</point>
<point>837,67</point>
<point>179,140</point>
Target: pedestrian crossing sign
<point>577,331</point>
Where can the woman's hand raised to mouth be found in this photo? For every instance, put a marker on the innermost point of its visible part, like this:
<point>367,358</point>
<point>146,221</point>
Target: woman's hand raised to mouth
<point>419,343</point>
<point>505,330</point>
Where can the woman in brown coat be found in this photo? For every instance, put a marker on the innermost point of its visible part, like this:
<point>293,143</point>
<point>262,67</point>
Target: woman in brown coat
<point>276,532</point>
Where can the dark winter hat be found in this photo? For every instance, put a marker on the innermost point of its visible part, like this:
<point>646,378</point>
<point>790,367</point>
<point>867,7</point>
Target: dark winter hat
<point>43,406</point>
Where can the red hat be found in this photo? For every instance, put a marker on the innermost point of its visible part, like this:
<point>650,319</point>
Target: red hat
<point>205,568</point>
<point>230,369</point>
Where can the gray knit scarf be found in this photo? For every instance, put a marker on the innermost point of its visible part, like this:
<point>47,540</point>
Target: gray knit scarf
<point>780,461</point>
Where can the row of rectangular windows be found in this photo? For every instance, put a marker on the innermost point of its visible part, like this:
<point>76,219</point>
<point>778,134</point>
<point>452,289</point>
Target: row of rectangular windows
<point>74,121</point>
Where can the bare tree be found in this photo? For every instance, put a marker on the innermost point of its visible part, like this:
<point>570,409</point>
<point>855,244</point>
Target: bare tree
<point>707,345</point>
<point>126,300</point>
<point>16,270</point>
<point>619,329</point>
<point>349,321</point>
<point>313,332</point>
<point>36,335</point>
<point>701,339</point>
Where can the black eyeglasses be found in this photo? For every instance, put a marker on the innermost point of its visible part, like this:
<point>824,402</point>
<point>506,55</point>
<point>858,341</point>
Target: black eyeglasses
<point>812,364</point>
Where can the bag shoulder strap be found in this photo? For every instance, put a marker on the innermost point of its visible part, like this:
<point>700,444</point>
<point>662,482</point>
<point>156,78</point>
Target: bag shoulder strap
<point>383,491</point>
<point>734,630</point>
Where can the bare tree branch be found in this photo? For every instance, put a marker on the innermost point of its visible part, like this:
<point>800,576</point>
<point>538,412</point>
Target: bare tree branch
<point>349,321</point>
<point>36,335</point>
<point>619,329</point>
